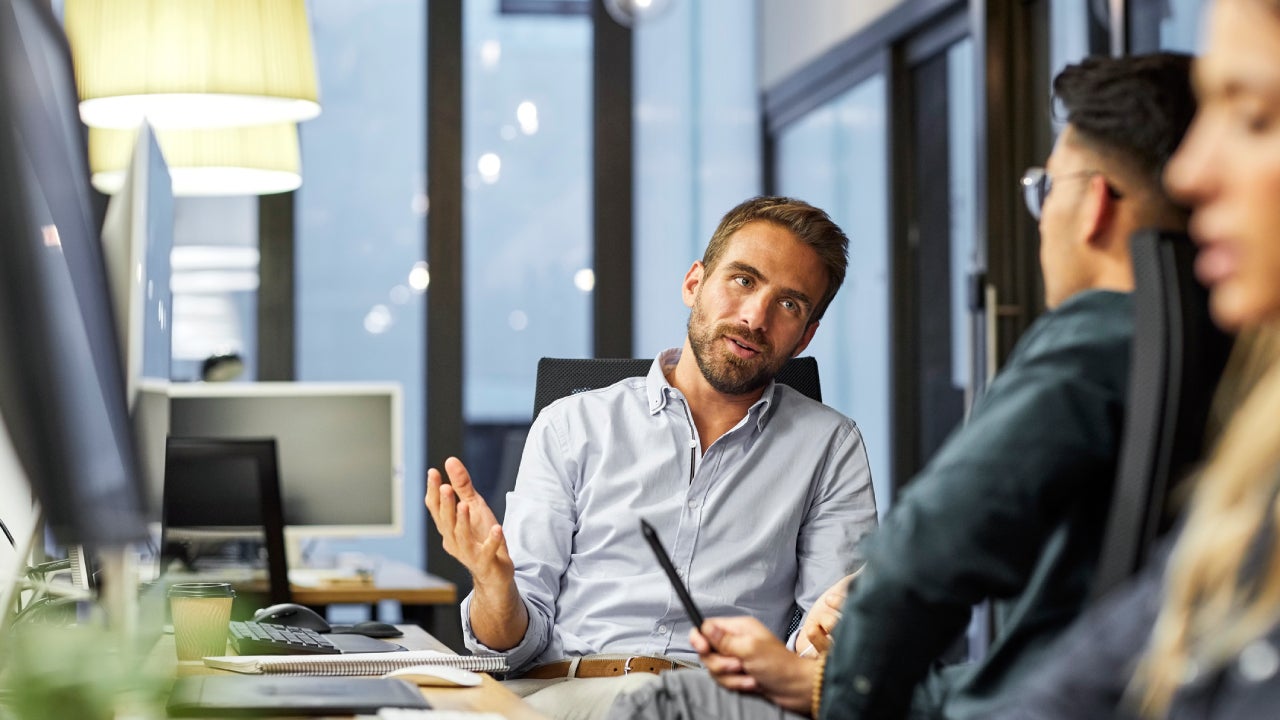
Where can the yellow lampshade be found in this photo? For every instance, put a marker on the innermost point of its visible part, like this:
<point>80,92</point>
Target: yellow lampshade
<point>192,63</point>
<point>257,160</point>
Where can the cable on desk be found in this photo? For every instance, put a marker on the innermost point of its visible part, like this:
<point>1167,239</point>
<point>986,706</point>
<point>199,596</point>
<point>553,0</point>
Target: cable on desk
<point>48,567</point>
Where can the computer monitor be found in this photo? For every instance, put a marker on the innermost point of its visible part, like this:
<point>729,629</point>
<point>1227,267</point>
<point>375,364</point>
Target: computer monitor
<point>137,241</point>
<point>340,447</point>
<point>218,493</point>
<point>62,392</point>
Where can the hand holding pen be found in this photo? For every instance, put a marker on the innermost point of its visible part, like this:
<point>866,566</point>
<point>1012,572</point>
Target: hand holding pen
<point>741,654</point>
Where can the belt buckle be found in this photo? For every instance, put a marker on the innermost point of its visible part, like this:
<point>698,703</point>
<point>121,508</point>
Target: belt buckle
<point>626,666</point>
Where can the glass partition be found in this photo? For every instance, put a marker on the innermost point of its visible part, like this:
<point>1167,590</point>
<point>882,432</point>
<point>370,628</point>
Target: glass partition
<point>836,158</point>
<point>359,268</point>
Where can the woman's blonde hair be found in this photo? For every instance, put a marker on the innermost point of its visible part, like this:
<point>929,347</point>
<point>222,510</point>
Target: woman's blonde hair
<point>1213,607</point>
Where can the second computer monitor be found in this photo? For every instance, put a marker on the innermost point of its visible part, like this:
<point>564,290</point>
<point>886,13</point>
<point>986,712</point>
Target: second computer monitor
<point>340,447</point>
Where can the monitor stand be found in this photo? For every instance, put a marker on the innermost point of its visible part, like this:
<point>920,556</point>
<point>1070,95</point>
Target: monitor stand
<point>118,594</point>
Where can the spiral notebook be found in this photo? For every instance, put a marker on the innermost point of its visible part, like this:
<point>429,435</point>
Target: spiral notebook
<point>353,664</point>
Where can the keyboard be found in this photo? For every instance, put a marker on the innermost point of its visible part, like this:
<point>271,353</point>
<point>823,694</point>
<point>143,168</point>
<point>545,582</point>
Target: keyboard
<point>253,638</point>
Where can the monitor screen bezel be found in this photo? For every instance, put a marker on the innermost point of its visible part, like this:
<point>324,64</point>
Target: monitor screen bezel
<point>259,390</point>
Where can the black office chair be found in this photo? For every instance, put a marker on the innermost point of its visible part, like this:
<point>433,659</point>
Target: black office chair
<point>1177,359</point>
<point>561,377</point>
<point>219,488</point>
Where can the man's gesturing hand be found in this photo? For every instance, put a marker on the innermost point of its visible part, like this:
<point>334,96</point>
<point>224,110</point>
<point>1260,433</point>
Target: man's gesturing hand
<point>469,528</point>
<point>472,534</point>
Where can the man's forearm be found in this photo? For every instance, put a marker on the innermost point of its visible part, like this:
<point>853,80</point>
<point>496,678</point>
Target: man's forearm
<point>498,616</point>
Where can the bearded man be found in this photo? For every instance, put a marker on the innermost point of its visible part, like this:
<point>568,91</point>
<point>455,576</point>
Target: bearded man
<point>759,493</point>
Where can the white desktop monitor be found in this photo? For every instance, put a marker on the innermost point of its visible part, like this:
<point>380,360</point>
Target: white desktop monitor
<point>340,447</point>
<point>137,242</point>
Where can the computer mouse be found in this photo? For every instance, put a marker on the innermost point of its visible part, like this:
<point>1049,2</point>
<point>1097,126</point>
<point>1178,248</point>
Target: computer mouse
<point>292,615</point>
<point>436,676</point>
<point>369,628</point>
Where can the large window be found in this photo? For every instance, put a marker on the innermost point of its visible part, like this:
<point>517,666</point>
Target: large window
<point>893,159</point>
<point>527,260</point>
<point>359,270</point>
<point>697,140</point>
<point>526,179</point>
<point>1165,25</point>
<point>939,254</point>
<point>836,158</point>
<point>1076,29</point>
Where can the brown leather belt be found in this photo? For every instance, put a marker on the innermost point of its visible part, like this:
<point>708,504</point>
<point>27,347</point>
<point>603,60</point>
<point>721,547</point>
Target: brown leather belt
<point>598,667</point>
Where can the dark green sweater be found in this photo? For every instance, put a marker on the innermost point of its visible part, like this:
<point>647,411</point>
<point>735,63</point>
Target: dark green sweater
<point>1011,508</point>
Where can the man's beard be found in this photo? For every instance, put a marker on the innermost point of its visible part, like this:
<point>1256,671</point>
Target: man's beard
<point>724,371</point>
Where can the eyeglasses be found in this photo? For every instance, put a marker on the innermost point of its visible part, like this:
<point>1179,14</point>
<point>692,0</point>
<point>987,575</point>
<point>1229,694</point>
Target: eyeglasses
<point>1037,183</point>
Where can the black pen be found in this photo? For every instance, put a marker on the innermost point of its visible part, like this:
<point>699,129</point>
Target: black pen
<point>690,608</point>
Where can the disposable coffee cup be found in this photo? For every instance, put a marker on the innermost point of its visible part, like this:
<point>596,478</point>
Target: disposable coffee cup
<point>201,613</point>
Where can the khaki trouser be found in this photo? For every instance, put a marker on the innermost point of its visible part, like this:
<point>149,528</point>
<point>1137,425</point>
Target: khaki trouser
<point>576,698</point>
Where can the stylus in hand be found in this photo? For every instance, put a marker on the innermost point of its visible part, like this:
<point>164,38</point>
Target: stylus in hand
<point>660,552</point>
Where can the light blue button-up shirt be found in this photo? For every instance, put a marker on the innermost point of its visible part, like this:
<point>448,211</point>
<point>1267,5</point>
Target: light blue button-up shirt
<point>768,516</point>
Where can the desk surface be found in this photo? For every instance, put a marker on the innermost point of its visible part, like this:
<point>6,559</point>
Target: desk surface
<point>392,580</point>
<point>490,696</point>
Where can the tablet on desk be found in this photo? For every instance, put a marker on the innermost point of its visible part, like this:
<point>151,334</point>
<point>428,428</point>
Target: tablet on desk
<point>258,696</point>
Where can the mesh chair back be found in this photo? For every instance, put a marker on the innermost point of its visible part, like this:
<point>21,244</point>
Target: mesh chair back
<point>1177,359</point>
<point>561,377</point>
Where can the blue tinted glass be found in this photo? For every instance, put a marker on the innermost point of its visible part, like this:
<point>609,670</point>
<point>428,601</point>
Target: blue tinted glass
<point>697,140</point>
<point>836,158</point>
<point>965,259</point>
<point>1180,25</point>
<point>1069,33</point>
<point>359,220</point>
<point>528,272</point>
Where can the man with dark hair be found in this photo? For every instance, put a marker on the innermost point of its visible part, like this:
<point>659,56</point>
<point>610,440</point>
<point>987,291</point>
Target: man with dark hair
<point>759,493</point>
<point>1012,508</point>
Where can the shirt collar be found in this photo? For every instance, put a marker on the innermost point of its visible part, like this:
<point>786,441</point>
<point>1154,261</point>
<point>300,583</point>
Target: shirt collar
<point>660,391</point>
<point>656,384</point>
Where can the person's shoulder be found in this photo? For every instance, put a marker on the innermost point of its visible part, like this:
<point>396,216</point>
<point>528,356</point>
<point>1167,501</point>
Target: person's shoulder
<point>1094,318</point>
<point>1085,341</point>
<point>792,402</point>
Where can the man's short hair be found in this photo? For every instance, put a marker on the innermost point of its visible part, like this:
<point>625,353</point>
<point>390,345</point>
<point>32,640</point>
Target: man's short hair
<point>1134,108</point>
<point>811,225</point>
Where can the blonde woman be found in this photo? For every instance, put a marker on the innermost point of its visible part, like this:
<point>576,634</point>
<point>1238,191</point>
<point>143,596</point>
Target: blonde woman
<point>1214,651</point>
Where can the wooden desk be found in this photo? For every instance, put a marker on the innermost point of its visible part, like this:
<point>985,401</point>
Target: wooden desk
<point>491,696</point>
<point>392,580</point>
<point>425,599</point>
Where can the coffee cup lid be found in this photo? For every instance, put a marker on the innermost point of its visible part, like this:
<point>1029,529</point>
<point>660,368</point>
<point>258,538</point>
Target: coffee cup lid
<point>201,589</point>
